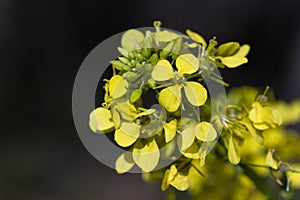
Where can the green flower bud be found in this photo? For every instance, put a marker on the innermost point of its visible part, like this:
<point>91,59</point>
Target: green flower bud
<point>136,95</point>
<point>153,59</point>
<point>166,51</point>
<point>123,52</point>
<point>130,76</point>
<point>151,83</point>
<point>131,55</point>
<point>177,48</point>
<point>118,65</point>
<point>140,57</point>
<point>124,60</point>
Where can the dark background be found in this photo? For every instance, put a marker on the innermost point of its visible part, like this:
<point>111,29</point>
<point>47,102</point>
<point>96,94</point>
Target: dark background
<point>42,44</point>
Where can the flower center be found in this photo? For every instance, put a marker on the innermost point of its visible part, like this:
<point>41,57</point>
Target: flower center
<point>179,79</point>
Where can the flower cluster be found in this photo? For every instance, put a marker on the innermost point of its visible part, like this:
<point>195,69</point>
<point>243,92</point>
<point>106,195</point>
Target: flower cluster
<point>171,68</point>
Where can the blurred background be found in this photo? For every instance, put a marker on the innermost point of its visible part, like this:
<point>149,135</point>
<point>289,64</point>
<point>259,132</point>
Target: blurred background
<point>42,45</point>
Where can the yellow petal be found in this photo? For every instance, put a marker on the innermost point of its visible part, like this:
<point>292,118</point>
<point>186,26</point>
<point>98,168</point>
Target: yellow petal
<point>127,111</point>
<point>146,157</point>
<point>195,93</point>
<point>170,98</point>
<point>116,118</point>
<point>270,160</point>
<point>203,151</point>
<point>271,116</point>
<point>228,49</point>
<point>128,38</point>
<point>127,134</point>
<point>192,152</point>
<point>233,152</point>
<point>233,61</point>
<point>243,51</point>
<point>187,64</point>
<point>146,112</point>
<point>180,182</point>
<point>163,71</point>
<point>196,37</point>
<point>165,36</point>
<point>117,86</point>
<point>170,130</point>
<point>261,126</point>
<point>205,132</point>
<point>192,45</point>
<point>186,138</point>
<point>100,120</point>
<point>124,163</point>
<point>256,113</point>
<point>255,134</point>
<point>165,183</point>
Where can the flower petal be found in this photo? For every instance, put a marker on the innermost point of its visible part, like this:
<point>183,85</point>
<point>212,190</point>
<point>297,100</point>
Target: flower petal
<point>233,61</point>
<point>195,93</point>
<point>127,134</point>
<point>100,120</point>
<point>187,64</point>
<point>170,98</point>
<point>256,113</point>
<point>165,36</point>
<point>124,163</point>
<point>243,51</point>
<point>228,49</point>
<point>170,130</point>
<point>196,37</point>
<point>117,86</point>
<point>205,132</point>
<point>186,138</point>
<point>233,152</point>
<point>128,38</point>
<point>127,111</point>
<point>163,71</point>
<point>146,157</point>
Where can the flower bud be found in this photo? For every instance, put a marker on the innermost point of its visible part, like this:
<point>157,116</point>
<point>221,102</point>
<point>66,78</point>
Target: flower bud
<point>136,95</point>
<point>166,51</point>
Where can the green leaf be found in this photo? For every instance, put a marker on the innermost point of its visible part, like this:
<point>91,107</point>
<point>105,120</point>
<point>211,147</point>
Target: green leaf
<point>233,152</point>
<point>128,38</point>
<point>146,157</point>
<point>124,163</point>
<point>228,49</point>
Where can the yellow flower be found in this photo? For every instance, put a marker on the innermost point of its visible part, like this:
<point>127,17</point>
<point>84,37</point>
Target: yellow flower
<point>170,97</point>
<point>232,54</point>
<point>264,117</point>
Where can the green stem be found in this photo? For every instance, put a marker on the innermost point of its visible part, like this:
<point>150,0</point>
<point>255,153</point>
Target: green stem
<point>258,181</point>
